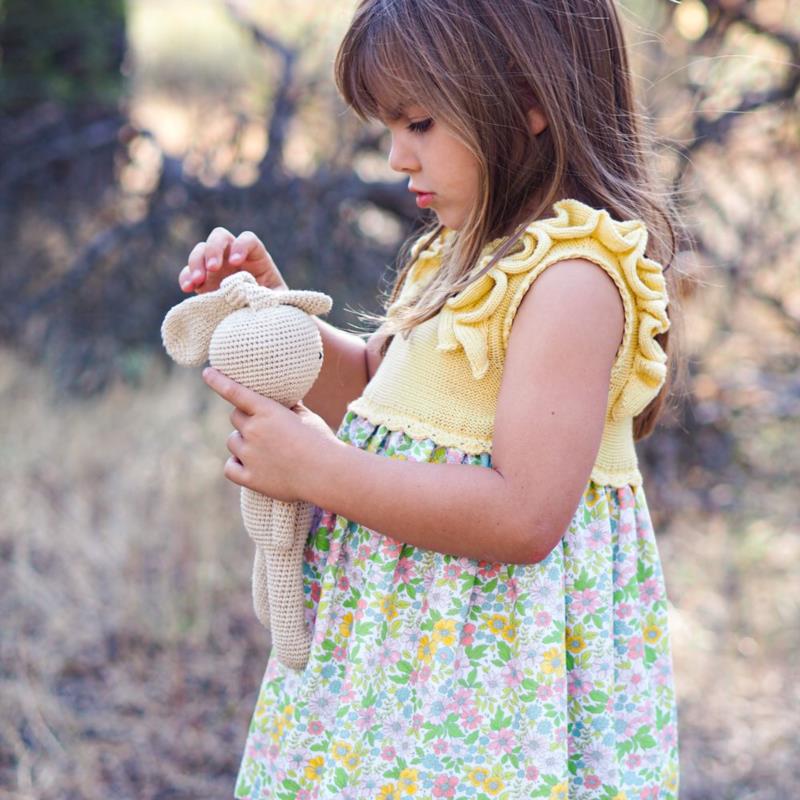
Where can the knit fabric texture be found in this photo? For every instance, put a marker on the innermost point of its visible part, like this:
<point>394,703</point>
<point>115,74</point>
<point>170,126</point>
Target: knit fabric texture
<point>267,341</point>
<point>443,380</point>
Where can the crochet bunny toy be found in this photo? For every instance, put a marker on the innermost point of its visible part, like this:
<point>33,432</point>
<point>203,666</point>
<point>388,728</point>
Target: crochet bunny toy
<point>266,340</point>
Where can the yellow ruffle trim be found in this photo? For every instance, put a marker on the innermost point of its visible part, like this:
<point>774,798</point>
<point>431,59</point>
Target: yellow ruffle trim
<point>426,262</point>
<point>464,320</point>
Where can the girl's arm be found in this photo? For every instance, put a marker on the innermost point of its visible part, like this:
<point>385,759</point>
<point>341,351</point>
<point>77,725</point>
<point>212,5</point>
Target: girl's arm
<point>549,422</point>
<point>550,416</point>
<point>347,366</point>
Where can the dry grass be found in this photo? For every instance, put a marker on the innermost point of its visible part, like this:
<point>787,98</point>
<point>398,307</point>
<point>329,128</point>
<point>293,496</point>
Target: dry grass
<point>130,657</point>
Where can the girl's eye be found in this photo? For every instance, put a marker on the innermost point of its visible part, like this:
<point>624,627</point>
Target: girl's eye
<point>421,126</point>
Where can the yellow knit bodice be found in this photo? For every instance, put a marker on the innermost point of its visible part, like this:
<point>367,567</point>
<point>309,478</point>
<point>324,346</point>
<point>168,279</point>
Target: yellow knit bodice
<point>443,380</point>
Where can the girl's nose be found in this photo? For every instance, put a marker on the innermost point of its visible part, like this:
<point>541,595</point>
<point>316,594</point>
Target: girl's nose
<point>401,157</point>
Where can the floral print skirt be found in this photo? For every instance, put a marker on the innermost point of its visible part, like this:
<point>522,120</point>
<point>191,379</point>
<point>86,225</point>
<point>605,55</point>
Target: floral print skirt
<point>437,676</point>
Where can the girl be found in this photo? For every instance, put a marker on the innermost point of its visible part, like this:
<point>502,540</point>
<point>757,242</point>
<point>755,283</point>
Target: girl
<point>482,579</point>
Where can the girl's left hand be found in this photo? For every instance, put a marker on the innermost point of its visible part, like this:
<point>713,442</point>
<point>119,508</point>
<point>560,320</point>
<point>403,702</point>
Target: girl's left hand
<point>273,448</point>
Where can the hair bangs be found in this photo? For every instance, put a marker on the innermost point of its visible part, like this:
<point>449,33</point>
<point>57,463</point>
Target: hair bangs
<point>373,71</point>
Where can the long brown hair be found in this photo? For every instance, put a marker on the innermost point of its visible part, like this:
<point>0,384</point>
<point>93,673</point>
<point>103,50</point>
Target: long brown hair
<point>478,67</point>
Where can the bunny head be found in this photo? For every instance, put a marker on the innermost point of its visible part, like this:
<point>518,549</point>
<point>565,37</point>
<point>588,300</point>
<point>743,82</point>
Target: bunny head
<point>262,338</point>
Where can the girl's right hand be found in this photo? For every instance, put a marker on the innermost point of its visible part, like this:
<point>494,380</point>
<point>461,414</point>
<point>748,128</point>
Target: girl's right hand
<point>221,255</point>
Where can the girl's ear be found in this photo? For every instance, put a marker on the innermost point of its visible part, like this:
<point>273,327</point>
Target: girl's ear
<point>537,121</point>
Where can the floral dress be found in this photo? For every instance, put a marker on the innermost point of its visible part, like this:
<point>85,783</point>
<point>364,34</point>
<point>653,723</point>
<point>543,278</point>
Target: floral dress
<point>439,676</point>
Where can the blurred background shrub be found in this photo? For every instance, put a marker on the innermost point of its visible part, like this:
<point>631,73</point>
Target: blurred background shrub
<point>129,654</point>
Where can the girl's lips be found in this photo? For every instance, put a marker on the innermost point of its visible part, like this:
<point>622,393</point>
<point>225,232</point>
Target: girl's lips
<point>424,199</point>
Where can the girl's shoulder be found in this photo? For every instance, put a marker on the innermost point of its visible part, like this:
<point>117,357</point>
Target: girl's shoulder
<point>580,231</point>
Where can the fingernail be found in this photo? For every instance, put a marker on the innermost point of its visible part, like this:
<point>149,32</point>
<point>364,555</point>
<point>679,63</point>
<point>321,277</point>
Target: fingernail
<point>211,263</point>
<point>236,257</point>
<point>196,276</point>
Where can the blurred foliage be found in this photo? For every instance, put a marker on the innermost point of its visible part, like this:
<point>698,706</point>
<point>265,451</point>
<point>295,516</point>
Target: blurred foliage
<point>121,160</point>
<point>67,52</point>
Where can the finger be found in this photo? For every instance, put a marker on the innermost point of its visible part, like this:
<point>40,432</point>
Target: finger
<point>244,245</point>
<point>197,264</point>
<point>216,247</point>
<point>185,279</point>
<point>236,394</point>
<point>235,445</point>
<point>235,472</point>
<point>239,419</point>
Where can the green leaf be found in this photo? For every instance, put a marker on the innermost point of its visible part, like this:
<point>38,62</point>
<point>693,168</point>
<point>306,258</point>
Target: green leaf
<point>322,539</point>
<point>490,586</point>
<point>369,699</point>
<point>452,727</point>
<point>647,741</point>
<point>433,731</point>
<point>364,628</point>
<point>584,581</point>
<point>514,760</point>
<point>340,778</point>
<point>556,637</point>
<point>643,738</point>
<point>500,721</point>
<point>505,650</point>
<point>476,652</point>
<point>572,765</point>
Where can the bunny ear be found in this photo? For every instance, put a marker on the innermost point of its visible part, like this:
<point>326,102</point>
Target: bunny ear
<point>188,327</point>
<point>310,302</point>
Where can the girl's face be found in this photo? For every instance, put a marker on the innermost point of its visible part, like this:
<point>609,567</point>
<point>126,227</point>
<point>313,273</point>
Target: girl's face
<point>441,169</point>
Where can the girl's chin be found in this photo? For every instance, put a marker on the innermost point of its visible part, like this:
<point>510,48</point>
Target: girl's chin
<point>449,221</point>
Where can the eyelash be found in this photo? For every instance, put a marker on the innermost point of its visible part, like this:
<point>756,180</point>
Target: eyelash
<point>422,126</point>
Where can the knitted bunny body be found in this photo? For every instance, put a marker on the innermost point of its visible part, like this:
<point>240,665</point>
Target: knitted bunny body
<point>267,341</point>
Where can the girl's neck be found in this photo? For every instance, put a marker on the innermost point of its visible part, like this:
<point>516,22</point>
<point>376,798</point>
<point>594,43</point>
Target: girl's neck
<point>526,215</point>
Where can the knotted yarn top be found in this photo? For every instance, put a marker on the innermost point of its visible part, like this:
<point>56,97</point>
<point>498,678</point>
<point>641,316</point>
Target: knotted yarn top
<point>443,380</point>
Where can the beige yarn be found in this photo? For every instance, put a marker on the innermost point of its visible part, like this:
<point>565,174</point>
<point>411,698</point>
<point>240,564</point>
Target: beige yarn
<point>266,340</point>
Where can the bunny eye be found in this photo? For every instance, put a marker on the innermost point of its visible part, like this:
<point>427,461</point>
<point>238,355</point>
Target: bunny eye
<point>320,355</point>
